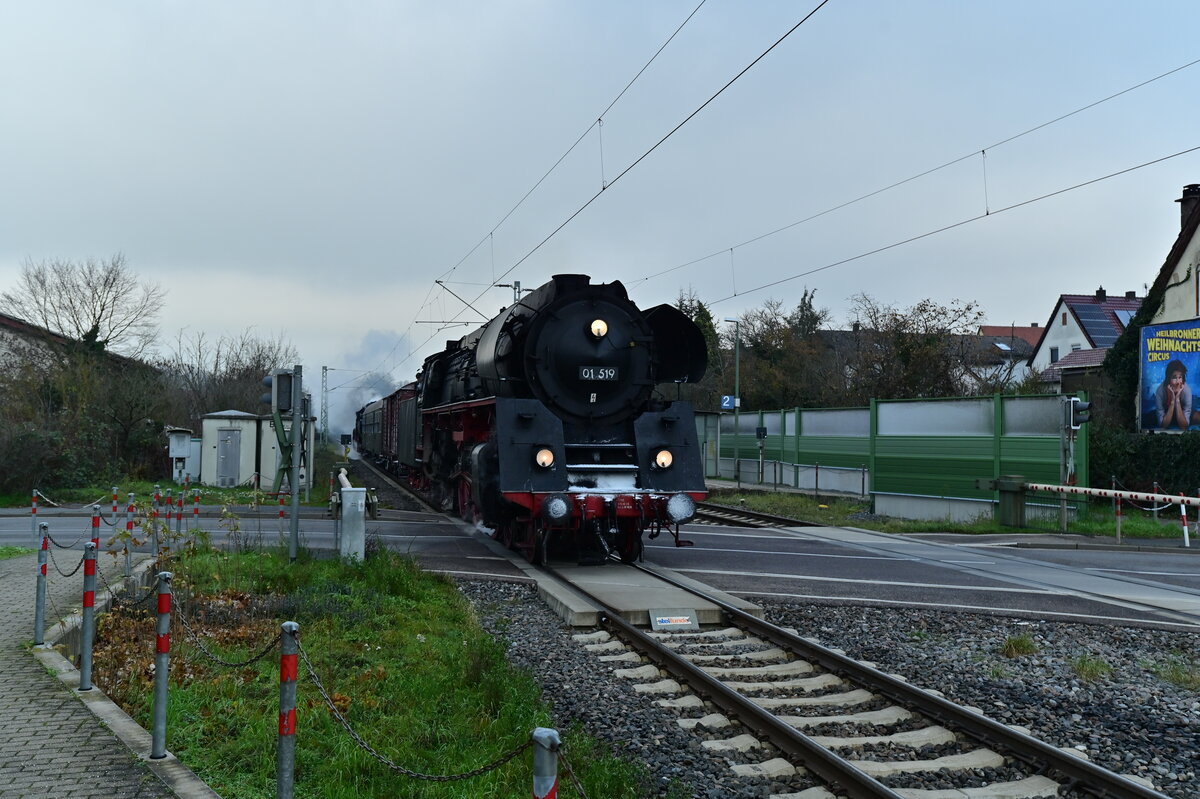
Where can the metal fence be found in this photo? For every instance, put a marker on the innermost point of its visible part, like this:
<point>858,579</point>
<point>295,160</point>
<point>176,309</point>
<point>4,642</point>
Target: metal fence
<point>900,452</point>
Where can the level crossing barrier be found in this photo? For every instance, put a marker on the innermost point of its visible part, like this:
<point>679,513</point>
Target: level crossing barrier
<point>1182,500</point>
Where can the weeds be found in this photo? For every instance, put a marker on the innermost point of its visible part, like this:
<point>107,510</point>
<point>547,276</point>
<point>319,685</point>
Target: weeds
<point>1180,669</point>
<point>1018,645</point>
<point>1089,668</point>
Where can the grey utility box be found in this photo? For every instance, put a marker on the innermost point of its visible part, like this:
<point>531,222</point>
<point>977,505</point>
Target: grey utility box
<point>352,542</point>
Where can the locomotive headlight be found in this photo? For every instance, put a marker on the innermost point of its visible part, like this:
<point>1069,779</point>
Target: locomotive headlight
<point>544,457</point>
<point>663,458</point>
<point>599,328</point>
<point>681,508</point>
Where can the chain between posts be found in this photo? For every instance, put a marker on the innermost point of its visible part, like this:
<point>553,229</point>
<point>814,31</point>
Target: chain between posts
<point>337,714</point>
<point>70,545</point>
<point>562,755</point>
<point>59,570</point>
<point>196,640</point>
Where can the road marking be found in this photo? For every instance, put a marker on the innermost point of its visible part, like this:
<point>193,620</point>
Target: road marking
<point>998,589</point>
<point>991,609</point>
<point>1127,571</point>
<point>698,550</point>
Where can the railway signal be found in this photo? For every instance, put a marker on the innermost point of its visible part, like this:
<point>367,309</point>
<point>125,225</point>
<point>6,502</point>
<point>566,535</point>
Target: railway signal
<point>1081,412</point>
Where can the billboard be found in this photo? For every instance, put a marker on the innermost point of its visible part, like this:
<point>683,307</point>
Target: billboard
<point>1170,366</point>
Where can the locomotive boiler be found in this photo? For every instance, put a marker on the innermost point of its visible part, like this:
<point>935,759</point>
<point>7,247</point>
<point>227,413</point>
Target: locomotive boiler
<point>551,424</point>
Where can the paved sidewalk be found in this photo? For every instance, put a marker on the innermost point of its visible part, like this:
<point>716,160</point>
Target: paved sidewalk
<point>51,746</point>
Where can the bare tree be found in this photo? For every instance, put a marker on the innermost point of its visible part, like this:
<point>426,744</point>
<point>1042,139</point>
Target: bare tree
<point>224,373</point>
<point>100,303</point>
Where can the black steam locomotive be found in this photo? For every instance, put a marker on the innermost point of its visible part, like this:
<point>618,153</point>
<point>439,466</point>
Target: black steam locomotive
<point>547,425</point>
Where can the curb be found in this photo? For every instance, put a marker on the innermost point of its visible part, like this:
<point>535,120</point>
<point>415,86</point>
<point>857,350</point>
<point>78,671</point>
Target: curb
<point>177,777</point>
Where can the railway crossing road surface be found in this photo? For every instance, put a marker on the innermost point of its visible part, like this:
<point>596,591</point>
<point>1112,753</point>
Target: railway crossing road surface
<point>976,573</point>
<point>1158,586</point>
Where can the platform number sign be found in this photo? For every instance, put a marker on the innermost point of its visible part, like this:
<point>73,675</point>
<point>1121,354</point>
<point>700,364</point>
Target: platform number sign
<point>729,402</point>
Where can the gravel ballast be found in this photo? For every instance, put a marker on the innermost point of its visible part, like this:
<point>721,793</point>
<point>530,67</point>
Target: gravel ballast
<point>1119,713</point>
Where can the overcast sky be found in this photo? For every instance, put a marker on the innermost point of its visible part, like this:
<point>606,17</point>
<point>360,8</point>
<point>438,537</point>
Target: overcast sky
<point>311,168</point>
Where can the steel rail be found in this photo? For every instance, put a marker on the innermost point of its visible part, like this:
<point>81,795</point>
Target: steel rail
<point>1039,754</point>
<point>713,510</point>
<point>837,771</point>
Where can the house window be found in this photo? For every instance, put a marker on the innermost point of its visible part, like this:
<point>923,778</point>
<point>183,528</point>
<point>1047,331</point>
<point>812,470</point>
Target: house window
<point>1054,355</point>
<point>1064,317</point>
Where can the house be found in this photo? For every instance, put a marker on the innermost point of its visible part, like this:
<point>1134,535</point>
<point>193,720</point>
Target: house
<point>1177,277</point>
<point>21,340</point>
<point>1170,341</point>
<point>994,361</point>
<point>1081,322</point>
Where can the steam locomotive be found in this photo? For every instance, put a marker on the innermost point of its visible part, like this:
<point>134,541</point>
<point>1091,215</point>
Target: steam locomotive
<point>547,425</point>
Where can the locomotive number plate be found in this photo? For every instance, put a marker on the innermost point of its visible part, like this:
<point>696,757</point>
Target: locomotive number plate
<point>597,373</point>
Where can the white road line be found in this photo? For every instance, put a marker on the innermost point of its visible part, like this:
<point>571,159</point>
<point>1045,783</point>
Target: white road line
<point>698,550</point>
<point>1128,571</point>
<point>1038,613</point>
<point>997,589</point>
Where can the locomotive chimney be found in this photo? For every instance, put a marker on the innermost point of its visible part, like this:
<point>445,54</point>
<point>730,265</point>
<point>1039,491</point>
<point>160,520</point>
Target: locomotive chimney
<point>1187,203</point>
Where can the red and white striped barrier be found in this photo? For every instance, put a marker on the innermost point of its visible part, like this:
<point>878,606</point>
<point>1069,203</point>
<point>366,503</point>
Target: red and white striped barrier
<point>1182,500</point>
<point>96,527</point>
<point>285,755</point>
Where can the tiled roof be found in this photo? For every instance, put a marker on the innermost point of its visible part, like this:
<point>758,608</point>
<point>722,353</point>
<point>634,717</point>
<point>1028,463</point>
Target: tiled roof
<point>1102,320</point>
<point>1029,335</point>
<point>1079,359</point>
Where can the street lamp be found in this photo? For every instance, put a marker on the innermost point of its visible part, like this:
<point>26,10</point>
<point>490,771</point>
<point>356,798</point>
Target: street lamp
<point>737,400</point>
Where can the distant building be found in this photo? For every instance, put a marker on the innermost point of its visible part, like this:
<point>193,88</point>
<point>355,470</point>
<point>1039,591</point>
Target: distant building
<point>1079,323</point>
<point>21,340</point>
<point>1178,274</point>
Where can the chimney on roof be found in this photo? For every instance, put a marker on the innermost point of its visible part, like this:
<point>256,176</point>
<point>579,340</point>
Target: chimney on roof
<point>1131,295</point>
<point>1187,203</point>
<point>1101,294</point>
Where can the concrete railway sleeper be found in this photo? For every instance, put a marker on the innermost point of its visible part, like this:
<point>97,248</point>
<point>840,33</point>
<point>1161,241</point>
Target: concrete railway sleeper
<point>786,709</point>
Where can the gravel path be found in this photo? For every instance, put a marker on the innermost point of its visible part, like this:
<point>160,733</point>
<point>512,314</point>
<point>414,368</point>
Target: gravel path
<point>1123,716</point>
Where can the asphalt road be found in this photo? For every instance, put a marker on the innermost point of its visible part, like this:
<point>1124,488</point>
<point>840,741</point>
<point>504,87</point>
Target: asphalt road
<point>1160,587</point>
<point>837,565</point>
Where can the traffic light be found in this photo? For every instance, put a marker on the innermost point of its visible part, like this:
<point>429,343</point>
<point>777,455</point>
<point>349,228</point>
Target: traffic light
<point>280,397</point>
<point>1081,412</point>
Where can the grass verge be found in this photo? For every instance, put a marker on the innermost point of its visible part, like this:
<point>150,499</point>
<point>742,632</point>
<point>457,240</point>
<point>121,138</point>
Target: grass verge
<point>13,552</point>
<point>398,651</point>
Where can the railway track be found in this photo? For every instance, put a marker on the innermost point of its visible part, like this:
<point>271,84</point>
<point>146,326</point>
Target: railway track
<point>710,513</point>
<point>786,708</point>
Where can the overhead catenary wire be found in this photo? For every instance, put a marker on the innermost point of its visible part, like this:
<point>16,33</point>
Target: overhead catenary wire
<point>924,173</point>
<point>661,141</point>
<point>959,224</point>
<point>490,235</point>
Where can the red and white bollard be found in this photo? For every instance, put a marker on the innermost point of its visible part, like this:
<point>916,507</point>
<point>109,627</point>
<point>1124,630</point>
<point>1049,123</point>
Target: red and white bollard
<point>33,514</point>
<point>179,515</point>
<point>39,608</point>
<point>196,507</point>
<point>1183,520</point>
<point>129,511</point>
<point>285,765</point>
<point>96,526</point>
<point>115,502</point>
<point>162,655</point>
<point>281,515</point>
<point>545,763</point>
<point>88,631</point>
